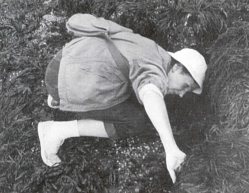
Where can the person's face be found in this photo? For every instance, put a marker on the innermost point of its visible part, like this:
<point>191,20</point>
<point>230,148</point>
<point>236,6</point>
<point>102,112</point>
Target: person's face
<point>179,81</point>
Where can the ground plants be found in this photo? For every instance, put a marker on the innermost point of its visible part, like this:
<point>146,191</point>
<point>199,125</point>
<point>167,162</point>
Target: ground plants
<point>174,23</point>
<point>227,77</point>
<point>218,163</point>
<point>31,32</point>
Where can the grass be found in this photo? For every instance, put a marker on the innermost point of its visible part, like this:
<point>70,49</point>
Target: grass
<point>29,41</point>
<point>31,32</point>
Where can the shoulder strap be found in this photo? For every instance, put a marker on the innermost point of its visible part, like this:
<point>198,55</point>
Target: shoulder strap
<point>86,25</point>
<point>121,62</point>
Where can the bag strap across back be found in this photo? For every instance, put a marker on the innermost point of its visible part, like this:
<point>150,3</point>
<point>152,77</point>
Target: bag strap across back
<point>121,62</point>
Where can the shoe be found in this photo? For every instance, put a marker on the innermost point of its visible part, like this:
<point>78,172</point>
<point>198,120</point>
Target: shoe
<point>50,143</point>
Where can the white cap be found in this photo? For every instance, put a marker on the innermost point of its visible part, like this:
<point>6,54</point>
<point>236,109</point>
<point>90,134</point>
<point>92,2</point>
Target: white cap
<point>194,62</point>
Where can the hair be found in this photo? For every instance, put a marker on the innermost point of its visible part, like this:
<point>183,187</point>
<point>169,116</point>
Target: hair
<point>175,62</point>
<point>184,70</point>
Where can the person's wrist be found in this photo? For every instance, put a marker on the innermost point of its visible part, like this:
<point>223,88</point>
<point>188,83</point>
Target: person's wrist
<point>170,146</point>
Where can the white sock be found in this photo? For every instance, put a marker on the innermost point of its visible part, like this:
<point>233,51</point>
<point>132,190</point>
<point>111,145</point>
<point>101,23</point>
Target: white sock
<point>66,129</point>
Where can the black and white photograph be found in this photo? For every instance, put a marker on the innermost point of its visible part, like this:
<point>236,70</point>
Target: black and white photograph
<point>124,96</point>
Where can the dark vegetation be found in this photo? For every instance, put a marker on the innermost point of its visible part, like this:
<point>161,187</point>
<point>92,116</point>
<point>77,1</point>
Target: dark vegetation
<point>212,129</point>
<point>219,163</point>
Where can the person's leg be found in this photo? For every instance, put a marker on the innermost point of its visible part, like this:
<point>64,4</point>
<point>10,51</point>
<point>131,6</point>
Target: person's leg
<point>123,120</point>
<point>53,133</point>
<point>91,128</point>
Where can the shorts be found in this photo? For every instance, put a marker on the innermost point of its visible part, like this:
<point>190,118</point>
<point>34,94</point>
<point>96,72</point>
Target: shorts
<point>122,120</point>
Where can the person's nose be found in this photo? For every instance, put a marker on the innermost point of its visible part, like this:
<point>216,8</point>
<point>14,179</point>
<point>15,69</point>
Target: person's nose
<point>182,93</point>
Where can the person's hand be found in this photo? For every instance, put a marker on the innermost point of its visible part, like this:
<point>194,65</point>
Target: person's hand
<point>174,159</point>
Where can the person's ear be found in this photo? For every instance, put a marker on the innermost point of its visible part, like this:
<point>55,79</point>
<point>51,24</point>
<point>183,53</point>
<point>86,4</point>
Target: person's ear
<point>176,67</point>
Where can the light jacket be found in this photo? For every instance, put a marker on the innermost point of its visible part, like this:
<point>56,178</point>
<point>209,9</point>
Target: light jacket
<point>88,77</point>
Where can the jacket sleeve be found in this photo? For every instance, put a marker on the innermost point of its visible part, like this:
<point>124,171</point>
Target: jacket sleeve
<point>89,25</point>
<point>144,72</point>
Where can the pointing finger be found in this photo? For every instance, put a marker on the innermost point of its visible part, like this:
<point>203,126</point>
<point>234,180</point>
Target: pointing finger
<point>172,175</point>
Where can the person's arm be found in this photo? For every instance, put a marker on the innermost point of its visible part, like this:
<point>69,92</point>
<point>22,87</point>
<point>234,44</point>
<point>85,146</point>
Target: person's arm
<point>155,107</point>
